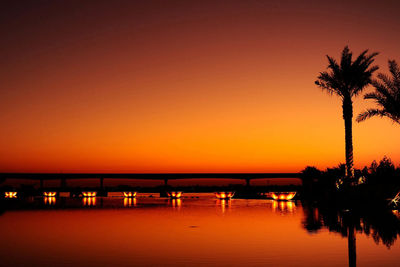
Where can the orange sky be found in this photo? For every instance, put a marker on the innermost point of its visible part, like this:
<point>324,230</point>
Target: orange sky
<point>180,86</point>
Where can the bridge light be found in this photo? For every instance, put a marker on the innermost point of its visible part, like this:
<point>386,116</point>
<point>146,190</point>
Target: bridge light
<point>10,194</point>
<point>49,194</point>
<point>283,195</point>
<point>224,195</point>
<point>130,194</point>
<point>175,194</point>
<point>89,194</point>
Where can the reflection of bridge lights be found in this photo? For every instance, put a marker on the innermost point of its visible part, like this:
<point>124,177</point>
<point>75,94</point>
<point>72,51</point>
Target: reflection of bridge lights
<point>223,203</point>
<point>10,194</point>
<point>224,195</point>
<point>89,201</point>
<point>49,200</point>
<point>175,194</point>
<point>274,205</point>
<point>283,195</point>
<point>283,206</point>
<point>129,201</point>
<point>176,202</point>
<point>130,194</point>
<point>89,194</point>
<point>49,194</point>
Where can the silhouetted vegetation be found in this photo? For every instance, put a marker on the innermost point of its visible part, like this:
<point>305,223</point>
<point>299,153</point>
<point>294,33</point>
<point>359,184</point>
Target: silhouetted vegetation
<point>386,96</point>
<point>347,80</point>
<point>375,183</point>
<point>383,173</point>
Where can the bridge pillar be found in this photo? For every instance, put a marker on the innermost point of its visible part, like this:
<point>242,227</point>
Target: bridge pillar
<point>41,183</point>
<point>63,183</point>
<point>164,190</point>
<point>247,182</point>
<point>101,183</point>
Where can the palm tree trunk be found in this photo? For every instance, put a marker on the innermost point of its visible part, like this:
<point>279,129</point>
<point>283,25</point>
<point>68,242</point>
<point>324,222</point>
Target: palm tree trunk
<point>348,127</point>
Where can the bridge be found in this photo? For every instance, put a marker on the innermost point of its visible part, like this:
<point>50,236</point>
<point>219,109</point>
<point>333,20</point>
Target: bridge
<point>63,177</point>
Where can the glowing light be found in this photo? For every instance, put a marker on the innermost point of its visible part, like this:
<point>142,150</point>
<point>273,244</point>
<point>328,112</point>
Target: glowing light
<point>89,194</point>
<point>49,200</point>
<point>176,203</point>
<point>283,195</point>
<point>10,195</point>
<point>175,194</point>
<point>50,194</point>
<point>89,201</point>
<point>283,206</point>
<point>129,201</point>
<point>224,195</point>
<point>130,194</point>
<point>396,213</point>
<point>396,199</point>
<point>339,183</point>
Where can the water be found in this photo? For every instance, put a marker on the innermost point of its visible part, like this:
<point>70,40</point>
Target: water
<point>195,231</point>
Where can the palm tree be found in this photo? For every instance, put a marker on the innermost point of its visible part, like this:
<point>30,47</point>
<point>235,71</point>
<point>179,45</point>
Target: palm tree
<point>347,80</point>
<point>386,95</point>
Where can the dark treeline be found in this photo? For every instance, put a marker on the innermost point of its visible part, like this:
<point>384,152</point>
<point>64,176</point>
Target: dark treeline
<point>374,184</point>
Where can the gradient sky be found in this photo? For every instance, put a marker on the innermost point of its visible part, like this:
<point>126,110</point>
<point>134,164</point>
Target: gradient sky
<point>185,86</point>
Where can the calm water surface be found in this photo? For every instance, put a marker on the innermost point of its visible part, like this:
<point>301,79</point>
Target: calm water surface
<point>195,231</point>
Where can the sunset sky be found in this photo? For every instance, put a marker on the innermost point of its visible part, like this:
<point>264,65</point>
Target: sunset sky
<point>185,86</point>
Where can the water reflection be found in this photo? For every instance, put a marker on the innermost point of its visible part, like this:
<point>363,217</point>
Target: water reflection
<point>49,201</point>
<point>89,201</point>
<point>283,207</point>
<point>176,203</point>
<point>243,229</point>
<point>382,225</point>
<point>312,220</point>
<point>130,202</point>
<point>224,204</point>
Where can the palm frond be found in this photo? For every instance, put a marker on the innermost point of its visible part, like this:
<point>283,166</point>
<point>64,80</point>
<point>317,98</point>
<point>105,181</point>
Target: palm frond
<point>345,61</point>
<point>360,58</point>
<point>394,69</point>
<point>327,83</point>
<point>373,95</point>
<point>370,113</point>
<point>386,95</point>
<point>349,77</point>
